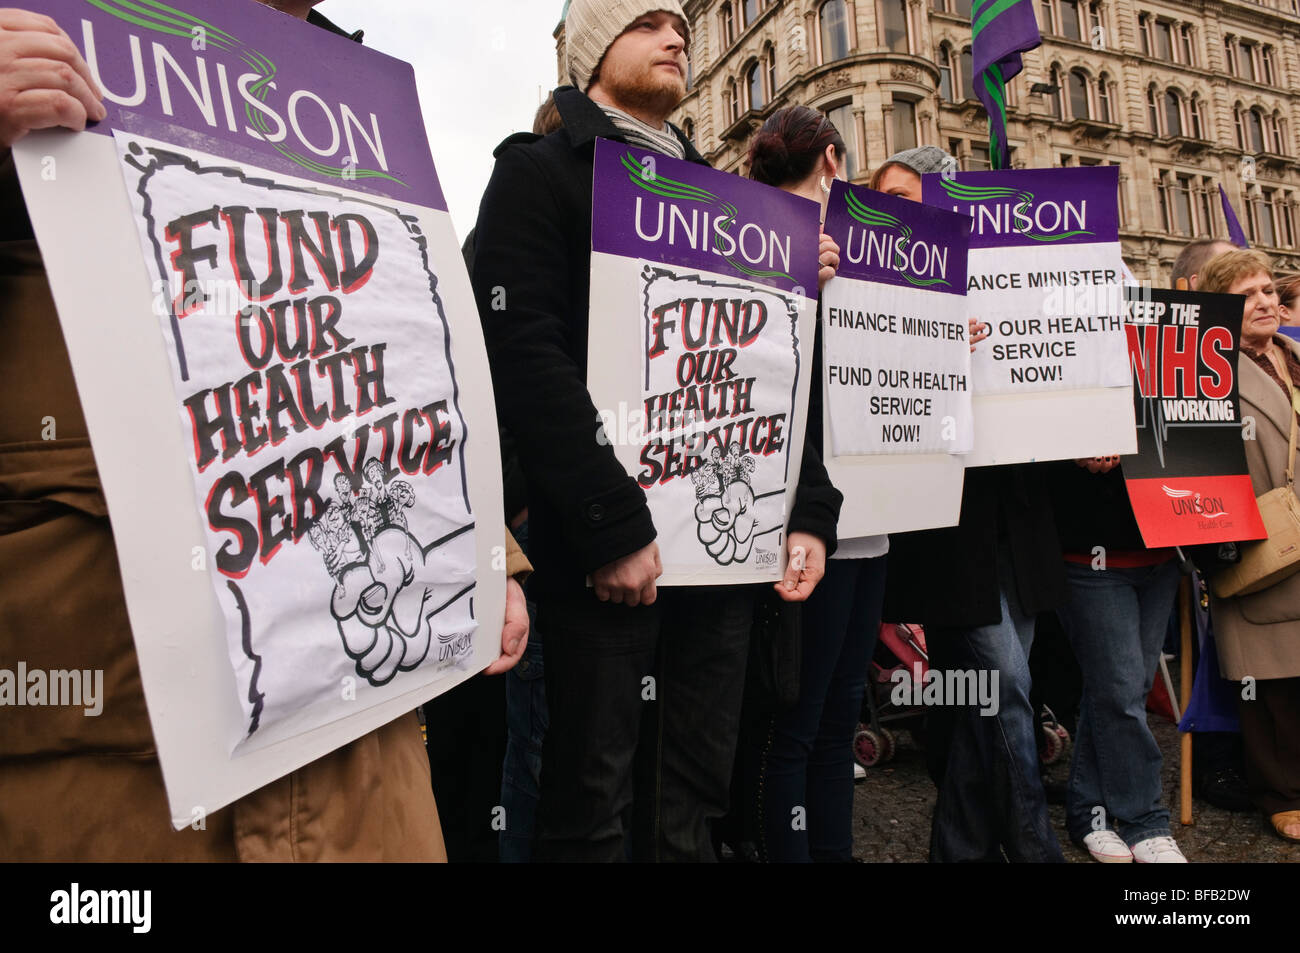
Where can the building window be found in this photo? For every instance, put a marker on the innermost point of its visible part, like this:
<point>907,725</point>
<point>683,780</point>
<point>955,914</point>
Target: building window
<point>1248,60</point>
<point>727,25</point>
<point>835,31</point>
<point>1286,226</point>
<point>1173,113</point>
<point>731,101</point>
<point>944,58</point>
<point>1182,188</point>
<point>1144,33</point>
<point>1079,108</point>
<point>1053,101</point>
<point>1230,55</point>
<point>1256,126</point>
<point>1270,66</point>
<point>1103,98</point>
<point>1185,44</point>
<point>1197,115</point>
<point>754,86</point>
<point>893,17</point>
<point>769,68</point>
<point>1095,21</point>
<point>751,11</point>
<point>904,124</point>
<point>1164,41</point>
<point>841,118</point>
<point>1069,13</point>
<point>1153,111</point>
<point>688,129</point>
<point>1263,205</point>
<point>967,90</point>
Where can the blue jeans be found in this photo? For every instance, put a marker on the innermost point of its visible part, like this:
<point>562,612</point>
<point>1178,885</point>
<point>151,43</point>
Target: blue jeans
<point>991,799</point>
<point>808,759</point>
<point>1115,621</point>
<point>526,721</point>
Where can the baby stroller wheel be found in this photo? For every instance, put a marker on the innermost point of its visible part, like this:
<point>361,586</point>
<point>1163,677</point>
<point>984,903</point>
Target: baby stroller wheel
<point>868,747</point>
<point>890,744</point>
<point>1054,746</point>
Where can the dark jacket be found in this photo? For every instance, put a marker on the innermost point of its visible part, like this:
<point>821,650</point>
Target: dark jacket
<point>948,578</point>
<point>532,259</point>
<point>1092,509</point>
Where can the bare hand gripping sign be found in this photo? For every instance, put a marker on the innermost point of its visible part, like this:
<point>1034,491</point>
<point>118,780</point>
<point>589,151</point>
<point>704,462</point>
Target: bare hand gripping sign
<point>698,296</point>
<point>295,466</point>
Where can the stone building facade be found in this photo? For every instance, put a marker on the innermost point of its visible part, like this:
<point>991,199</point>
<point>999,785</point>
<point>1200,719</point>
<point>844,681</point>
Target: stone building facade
<point>1182,96</point>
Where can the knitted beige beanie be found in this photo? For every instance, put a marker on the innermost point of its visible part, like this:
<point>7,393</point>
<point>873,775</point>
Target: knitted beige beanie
<point>592,26</point>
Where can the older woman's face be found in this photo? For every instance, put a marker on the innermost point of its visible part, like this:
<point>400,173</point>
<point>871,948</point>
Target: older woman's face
<point>1260,319</point>
<point>901,181</point>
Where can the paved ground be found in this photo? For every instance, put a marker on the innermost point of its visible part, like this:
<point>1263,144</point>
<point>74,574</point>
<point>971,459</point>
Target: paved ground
<point>892,814</point>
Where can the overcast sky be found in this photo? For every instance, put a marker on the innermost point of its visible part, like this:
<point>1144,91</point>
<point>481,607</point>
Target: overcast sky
<point>483,68</point>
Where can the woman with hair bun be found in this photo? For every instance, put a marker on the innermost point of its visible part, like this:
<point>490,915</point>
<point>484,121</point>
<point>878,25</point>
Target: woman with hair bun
<point>805,757</point>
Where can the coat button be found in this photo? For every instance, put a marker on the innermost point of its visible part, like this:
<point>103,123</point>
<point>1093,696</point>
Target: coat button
<point>596,512</point>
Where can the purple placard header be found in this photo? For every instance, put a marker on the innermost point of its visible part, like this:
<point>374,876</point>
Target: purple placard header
<point>239,80</point>
<point>892,240</point>
<point>1035,208</point>
<point>651,206</point>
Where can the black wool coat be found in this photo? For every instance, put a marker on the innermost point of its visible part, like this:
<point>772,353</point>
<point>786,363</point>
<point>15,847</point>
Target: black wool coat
<point>531,276</point>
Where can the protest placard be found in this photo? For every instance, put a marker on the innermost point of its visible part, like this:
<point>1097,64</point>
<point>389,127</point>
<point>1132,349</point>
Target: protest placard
<point>1045,273</point>
<point>1188,482</point>
<point>700,352</point>
<point>280,362</point>
<point>896,362</point>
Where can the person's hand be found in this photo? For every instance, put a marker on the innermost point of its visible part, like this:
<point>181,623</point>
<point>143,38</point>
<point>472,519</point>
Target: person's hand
<point>978,331</point>
<point>804,568</point>
<point>44,82</point>
<point>630,580</point>
<point>514,633</point>
<point>828,259</point>
<point>1098,464</point>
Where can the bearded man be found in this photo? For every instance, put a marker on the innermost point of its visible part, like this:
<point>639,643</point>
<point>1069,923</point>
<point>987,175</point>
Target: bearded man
<point>608,643</point>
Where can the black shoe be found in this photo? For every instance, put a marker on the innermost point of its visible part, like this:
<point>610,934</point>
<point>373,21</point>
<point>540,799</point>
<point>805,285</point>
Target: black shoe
<point>1225,789</point>
<point>1054,791</point>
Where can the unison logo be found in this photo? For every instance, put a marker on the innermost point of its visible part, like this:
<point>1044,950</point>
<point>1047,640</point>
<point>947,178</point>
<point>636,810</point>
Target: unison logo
<point>1004,211</point>
<point>875,246</point>
<point>708,228</point>
<point>161,74</point>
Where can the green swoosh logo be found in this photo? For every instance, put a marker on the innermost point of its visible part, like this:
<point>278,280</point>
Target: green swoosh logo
<point>160,18</point>
<point>681,191</point>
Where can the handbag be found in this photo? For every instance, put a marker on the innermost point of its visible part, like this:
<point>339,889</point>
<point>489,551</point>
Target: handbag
<point>775,651</point>
<point>1268,561</point>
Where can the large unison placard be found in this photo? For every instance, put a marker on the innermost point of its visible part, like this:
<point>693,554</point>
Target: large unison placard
<point>1046,276</point>
<point>896,362</point>
<point>300,465</point>
<point>1188,482</point>
<point>700,348</point>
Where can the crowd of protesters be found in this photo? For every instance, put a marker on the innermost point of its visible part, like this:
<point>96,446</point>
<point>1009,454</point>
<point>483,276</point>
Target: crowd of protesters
<point>557,752</point>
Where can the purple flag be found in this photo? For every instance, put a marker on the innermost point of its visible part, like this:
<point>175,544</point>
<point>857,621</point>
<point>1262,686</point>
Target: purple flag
<point>1235,234</point>
<point>1000,31</point>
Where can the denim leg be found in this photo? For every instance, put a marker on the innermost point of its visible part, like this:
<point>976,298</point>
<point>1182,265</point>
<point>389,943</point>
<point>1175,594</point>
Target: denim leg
<point>991,800</point>
<point>830,767</point>
<point>1115,620</point>
<point>526,721</point>
<point>784,765</point>
<point>704,647</point>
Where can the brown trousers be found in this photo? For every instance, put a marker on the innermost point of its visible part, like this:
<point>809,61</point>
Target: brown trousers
<point>1270,733</point>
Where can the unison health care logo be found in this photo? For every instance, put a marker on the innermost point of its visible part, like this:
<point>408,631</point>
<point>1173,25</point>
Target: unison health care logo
<point>1013,211</point>
<point>891,251</point>
<point>217,100</point>
<point>717,224</point>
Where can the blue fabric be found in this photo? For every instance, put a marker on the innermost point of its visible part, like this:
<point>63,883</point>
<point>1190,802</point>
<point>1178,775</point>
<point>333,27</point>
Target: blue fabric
<point>1115,620</point>
<point>1213,702</point>
<point>1235,234</point>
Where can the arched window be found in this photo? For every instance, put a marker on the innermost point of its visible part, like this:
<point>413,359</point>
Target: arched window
<point>754,86</point>
<point>1256,120</point>
<point>1105,112</point>
<point>1153,111</point>
<point>1054,98</point>
<point>1173,113</point>
<point>893,19</point>
<point>967,75</point>
<point>1079,107</point>
<point>944,58</point>
<point>1196,113</point>
<point>769,70</point>
<point>728,23</point>
<point>835,31</point>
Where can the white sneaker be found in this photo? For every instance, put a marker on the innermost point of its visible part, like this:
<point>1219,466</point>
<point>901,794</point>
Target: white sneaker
<point>1158,850</point>
<point>859,772</point>
<point>1108,847</point>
